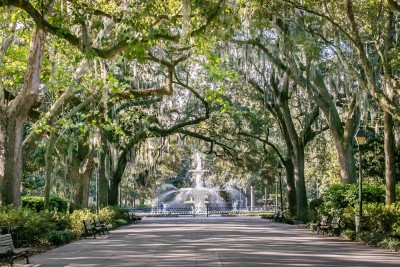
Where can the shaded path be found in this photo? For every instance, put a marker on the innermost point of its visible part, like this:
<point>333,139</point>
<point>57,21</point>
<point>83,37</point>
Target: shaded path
<point>214,242</point>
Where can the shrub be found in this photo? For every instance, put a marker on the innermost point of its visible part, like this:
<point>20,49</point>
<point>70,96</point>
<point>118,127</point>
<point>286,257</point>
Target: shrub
<point>33,202</point>
<point>390,243</point>
<point>340,196</point>
<point>317,209</point>
<point>382,218</point>
<point>37,203</point>
<point>32,225</point>
<point>108,214</point>
<point>58,203</point>
<point>77,218</point>
<point>59,238</point>
<point>347,217</point>
<point>370,238</point>
<point>348,234</point>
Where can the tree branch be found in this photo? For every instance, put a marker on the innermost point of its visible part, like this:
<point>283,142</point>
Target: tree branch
<point>228,150</point>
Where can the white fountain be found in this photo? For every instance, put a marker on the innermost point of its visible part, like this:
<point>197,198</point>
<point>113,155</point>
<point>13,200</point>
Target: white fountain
<point>198,196</point>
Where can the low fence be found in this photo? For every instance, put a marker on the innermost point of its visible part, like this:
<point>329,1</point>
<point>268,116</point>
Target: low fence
<point>208,211</point>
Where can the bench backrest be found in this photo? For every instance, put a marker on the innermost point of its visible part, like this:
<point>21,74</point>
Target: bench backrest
<point>97,221</point>
<point>324,220</point>
<point>6,243</point>
<point>88,224</point>
<point>335,222</point>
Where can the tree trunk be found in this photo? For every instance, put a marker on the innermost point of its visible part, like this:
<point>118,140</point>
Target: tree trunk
<point>346,161</point>
<point>49,169</point>
<point>301,193</point>
<point>79,184</point>
<point>291,187</point>
<point>116,179</point>
<point>103,181</point>
<point>12,118</point>
<point>390,161</point>
<point>11,159</point>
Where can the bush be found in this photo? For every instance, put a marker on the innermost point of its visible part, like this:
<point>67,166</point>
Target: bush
<point>77,218</point>
<point>316,207</point>
<point>37,203</point>
<point>59,238</point>
<point>108,214</point>
<point>370,238</point>
<point>348,234</point>
<point>382,218</point>
<point>33,202</point>
<point>56,227</point>
<point>32,225</point>
<point>390,243</point>
<point>58,203</point>
<point>340,196</point>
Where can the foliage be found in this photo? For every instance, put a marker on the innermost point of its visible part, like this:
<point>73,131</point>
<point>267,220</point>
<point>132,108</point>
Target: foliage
<point>59,238</point>
<point>77,217</point>
<point>372,239</point>
<point>340,196</point>
<point>110,215</point>
<point>37,203</point>
<point>33,225</point>
<point>55,227</point>
<point>348,234</point>
<point>316,209</point>
<point>382,218</point>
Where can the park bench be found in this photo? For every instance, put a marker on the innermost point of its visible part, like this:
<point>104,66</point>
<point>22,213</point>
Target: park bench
<point>134,218</point>
<point>335,226</point>
<point>325,226</point>
<point>9,252</point>
<point>269,217</point>
<point>91,229</point>
<point>97,223</point>
<point>278,216</point>
<point>322,225</point>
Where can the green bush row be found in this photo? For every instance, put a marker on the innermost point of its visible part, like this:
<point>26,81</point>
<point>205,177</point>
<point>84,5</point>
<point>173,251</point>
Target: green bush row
<point>37,203</point>
<point>372,239</point>
<point>382,220</point>
<point>55,227</point>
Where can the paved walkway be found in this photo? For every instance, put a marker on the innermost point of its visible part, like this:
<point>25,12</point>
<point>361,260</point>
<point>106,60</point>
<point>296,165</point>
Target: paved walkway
<point>234,242</point>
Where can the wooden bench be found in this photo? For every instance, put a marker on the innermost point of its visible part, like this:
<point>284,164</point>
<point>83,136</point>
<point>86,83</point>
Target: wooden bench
<point>322,225</point>
<point>9,252</point>
<point>134,218</point>
<point>325,226</point>
<point>269,217</point>
<point>335,226</point>
<point>90,229</point>
<point>278,216</point>
<point>98,224</point>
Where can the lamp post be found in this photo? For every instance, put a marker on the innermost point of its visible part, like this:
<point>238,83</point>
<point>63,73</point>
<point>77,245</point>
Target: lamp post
<point>96,161</point>
<point>280,168</point>
<point>276,197</point>
<point>361,139</point>
<point>206,203</point>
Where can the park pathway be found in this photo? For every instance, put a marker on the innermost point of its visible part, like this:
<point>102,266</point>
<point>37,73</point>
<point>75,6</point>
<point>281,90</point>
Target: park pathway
<point>238,242</point>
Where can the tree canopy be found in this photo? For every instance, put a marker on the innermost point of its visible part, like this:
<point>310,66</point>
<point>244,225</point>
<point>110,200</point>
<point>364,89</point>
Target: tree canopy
<point>141,85</point>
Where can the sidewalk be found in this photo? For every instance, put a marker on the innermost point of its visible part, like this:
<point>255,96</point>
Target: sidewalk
<point>209,242</point>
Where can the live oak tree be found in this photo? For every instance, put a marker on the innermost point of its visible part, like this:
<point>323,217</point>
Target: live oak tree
<point>79,24</point>
<point>293,50</point>
<point>367,49</point>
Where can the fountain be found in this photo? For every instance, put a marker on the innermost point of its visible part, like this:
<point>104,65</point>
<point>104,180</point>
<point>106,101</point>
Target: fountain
<point>195,198</point>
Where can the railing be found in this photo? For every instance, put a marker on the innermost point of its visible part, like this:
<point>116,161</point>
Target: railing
<point>208,211</point>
